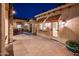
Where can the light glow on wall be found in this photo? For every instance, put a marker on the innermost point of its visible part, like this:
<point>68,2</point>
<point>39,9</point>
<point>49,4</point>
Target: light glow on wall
<point>44,26</point>
<point>26,24</point>
<point>19,26</point>
<point>14,12</point>
<point>61,24</point>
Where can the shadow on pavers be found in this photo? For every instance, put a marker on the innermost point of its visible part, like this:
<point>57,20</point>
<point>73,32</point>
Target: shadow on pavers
<point>9,50</point>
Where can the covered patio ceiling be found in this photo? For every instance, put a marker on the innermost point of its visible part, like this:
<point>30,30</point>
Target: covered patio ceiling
<point>49,19</point>
<point>53,18</point>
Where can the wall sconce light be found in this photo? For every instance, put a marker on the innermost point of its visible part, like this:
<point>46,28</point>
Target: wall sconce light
<point>25,24</point>
<point>14,12</point>
<point>62,23</point>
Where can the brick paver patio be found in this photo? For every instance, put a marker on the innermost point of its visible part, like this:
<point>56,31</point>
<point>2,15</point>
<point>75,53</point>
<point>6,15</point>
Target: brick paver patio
<point>29,45</point>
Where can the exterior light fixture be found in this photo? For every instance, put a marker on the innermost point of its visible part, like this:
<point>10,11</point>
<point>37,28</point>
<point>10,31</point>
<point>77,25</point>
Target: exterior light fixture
<point>62,23</point>
<point>14,12</point>
<point>26,24</point>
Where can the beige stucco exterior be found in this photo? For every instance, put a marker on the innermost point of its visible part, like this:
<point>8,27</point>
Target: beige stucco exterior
<point>6,23</point>
<point>4,26</point>
<point>25,24</point>
<point>71,29</point>
<point>4,30</point>
<point>16,21</point>
<point>70,15</point>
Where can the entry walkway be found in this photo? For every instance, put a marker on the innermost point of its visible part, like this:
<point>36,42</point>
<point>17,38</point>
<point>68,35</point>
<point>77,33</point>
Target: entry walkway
<point>29,45</point>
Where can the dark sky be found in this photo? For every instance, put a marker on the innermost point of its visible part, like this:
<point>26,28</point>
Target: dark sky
<point>29,10</point>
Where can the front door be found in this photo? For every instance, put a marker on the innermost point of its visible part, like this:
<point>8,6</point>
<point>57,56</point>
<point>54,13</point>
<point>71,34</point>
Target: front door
<point>55,29</point>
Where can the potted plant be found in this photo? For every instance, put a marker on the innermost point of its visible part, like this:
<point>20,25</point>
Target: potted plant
<point>72,46</point>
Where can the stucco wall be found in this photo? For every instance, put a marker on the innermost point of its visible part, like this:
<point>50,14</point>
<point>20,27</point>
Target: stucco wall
<point>6,24</point>
<point>71,12</point>
<point>6,30</point>
<point>71,29</point>
<point>14,25</point>
<point>43,33</point>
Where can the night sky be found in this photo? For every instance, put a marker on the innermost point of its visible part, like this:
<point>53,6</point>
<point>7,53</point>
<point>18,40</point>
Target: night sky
<point>29,10</point>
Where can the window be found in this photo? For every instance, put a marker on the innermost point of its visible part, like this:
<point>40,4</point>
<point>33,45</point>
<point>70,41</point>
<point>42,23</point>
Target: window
<point>44,26</point>
<point>19,26</point>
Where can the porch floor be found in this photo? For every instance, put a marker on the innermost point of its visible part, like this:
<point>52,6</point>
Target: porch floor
<point>30,45</point>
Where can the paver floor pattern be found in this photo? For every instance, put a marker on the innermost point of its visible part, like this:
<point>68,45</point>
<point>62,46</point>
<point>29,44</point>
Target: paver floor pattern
<point>30,45</point>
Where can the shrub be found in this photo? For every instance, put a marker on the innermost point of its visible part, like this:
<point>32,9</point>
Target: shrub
<point>72,46</point>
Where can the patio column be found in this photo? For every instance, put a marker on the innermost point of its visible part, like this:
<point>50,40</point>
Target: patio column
<point>10,33</point>
<point>6,23</point>
<point>10,24</point>
<point>2,29</point>
<point>37,28</point>
<point>51,31</point>
<point>33,28</point>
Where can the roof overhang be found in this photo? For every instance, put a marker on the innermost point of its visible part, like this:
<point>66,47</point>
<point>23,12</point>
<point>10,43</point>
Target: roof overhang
<point>54,10</point>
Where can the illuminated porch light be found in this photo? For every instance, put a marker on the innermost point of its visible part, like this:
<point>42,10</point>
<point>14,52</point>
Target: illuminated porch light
<point>26,24</point>
<point>14,12</point>
<point>62,24</point>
